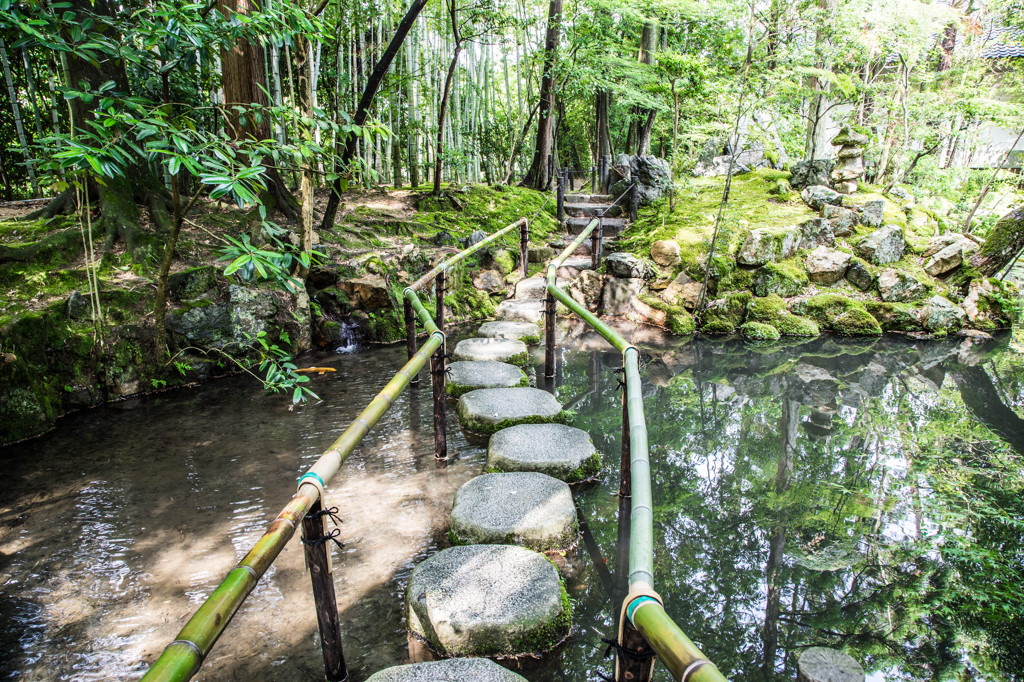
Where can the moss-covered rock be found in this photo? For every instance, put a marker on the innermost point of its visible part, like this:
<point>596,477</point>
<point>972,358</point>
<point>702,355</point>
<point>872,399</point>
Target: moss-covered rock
<point>785,278</point>
<point>771,310</point>
<point>758,331</point>
<point>895,317</point>
<point>724,315</point>
<point>838,313</point>
<point>675,318</point>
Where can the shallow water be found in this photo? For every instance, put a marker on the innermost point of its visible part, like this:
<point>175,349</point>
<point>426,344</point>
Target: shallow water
<point>830,493</point>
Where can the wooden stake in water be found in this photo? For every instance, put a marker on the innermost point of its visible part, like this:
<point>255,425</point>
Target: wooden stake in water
<point>318,560</point>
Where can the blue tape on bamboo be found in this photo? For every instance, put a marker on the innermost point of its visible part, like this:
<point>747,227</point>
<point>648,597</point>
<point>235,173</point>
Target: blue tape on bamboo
<point>312,475</point>
<point>637,603</point>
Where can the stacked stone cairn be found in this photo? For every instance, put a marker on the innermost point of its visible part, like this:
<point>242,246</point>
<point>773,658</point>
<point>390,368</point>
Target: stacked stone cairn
<point>849,167</point>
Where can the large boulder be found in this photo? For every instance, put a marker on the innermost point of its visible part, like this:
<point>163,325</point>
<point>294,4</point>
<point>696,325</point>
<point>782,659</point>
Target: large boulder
<point>986,304</point>
<point>942,241</point>
<point>942,315</point>
<point>884,245</point>
<point>448,670</point>
<point>189,284</point>
<point>816,232</point>
<point>873,213</point>
<point>841,314</point>
<point>490,281</point>
<point>843,220</point>
<point>860,274</point>
<point>366,293</point>
<point>768,244</point>
<point>806,174</point>
<point>826,266</point>
<point>946,260</point>
<point>785,279</point>
<point>895,286</point>
<point>817,196</point>
<point>488,600</point>
<point>522,508</point>
<point>618,294</point>
<point>665,253</point>
<point>683,290</point>
<point>652,175</point>
<point>717,156</point>
<point>622,264</point>
<point>586,289</point>
<point>561,451</point>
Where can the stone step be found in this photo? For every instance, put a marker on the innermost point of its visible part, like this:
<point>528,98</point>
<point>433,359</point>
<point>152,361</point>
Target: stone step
<point>534,288</point>
<point>464,377</point>
<point>592,210</point>
<point>524,310</point>
<point>557,450</point>
<point>448,670</point>
<point>527,332</point>
<point>571,268</point>
<point>612,226</point>
<point>523,508</point>
<point>512,351</point>
<point>488,600</point>
<point>588,198</point>
<point>488,410</point>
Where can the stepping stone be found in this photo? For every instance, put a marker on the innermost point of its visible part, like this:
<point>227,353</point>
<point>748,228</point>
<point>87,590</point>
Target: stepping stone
<point>534,288</point>
<point>492,409</point>
<point>612,226</point>
<point>591,210</point>
<point>464,377</point>
<point>554,449</point>
<point>511,351</point>
<point>488,600</point>
<point>589,198</point>
<point>571,267</point>
<point>514,310</point>
<point>523,508</point>
<point>527,332</point>
<point>448,670</point>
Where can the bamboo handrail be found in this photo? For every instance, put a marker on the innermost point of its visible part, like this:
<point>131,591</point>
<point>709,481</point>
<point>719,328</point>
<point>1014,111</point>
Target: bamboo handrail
<point>643,606</point>
<point>182,658</point>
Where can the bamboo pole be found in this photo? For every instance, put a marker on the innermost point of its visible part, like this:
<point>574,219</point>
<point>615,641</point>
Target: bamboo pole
<point>18,127</point>
<point>642,606</point>
<point>182,657</point>
<point>462,255</point>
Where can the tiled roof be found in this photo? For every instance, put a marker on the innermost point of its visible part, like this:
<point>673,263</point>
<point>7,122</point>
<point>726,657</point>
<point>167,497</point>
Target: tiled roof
<point>1000,42</point>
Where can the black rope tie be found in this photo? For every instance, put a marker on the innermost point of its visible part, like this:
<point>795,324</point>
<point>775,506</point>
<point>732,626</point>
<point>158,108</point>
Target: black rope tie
<point>333,535</point>
<point>635,654</point>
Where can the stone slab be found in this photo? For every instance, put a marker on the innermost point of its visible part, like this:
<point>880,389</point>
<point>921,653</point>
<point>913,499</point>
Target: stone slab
<point>512,351</point>
<point>464,377</point>
<point>488,600</point>
<point>448,670</point>
<point>527,332</point>
<point>515,310</point>
<point>557,450</point>
<point>491,409</point>
<point>522,508</point>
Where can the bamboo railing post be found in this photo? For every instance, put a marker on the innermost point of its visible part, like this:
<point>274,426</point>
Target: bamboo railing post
<point>549,336</point>
<point>561,199</point>
<point>437,377</point>
<point>318,559</point>
<point>624,463</point>
<point>524,246</point>
<point>410,333</point>
<point>593,179</point>
<point>634,660</point>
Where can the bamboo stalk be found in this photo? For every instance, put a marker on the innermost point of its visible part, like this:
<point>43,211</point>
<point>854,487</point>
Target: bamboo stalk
<point>462,255</point>
<point>182,657</point>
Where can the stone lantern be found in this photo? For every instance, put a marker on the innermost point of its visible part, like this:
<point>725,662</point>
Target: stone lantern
<point>850,163</point>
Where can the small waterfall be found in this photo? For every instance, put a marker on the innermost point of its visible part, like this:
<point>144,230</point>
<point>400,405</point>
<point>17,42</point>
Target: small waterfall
<point>347,341</point>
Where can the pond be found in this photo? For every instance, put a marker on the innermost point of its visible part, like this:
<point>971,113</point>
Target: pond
<point>864,495</point>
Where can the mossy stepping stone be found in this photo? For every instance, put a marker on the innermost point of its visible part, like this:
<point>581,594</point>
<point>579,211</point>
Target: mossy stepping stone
<point>464,377</point>
<point>521,310</point>
<point>557,450</point>
<point>492,409</point>
<point>488,600</point>
<point>527,332</point>
<point>448,670</point>
<point>522,508</point>
<point>512,351</point>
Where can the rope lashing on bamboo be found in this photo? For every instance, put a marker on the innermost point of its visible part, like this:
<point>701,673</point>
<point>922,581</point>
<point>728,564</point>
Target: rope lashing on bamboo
<point>635,654</point>
<point>332,535</point>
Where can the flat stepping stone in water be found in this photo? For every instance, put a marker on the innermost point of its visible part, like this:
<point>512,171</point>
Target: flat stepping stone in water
<point>512,351</point>
<point>521,310</point>
<point>527,332</point>
<point>464,377</point>
<point>522,508</point>
<point>557,450</point>
<point>488,600</point>
<point>492,409</point>
<point>448,670</point>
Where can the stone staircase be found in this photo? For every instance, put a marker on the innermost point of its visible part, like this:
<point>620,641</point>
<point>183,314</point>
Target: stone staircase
<point>493,593</point>
<point>580,209</point>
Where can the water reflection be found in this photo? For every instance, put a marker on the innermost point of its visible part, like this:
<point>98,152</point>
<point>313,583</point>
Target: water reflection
<point>862,495</point>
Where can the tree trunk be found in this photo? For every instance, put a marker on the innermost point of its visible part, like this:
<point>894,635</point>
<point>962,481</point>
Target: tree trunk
<point>18,127</point>
<point>442,111</point>
<point>537,175</point>
<point>602,102</point>
<point>648,44</point>
<point>1004,242</point>
<point>372,85</point>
